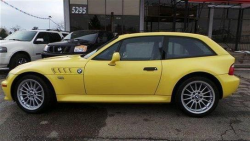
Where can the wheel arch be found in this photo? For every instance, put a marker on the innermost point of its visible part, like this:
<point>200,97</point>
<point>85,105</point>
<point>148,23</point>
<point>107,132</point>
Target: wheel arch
<point>20,52</point>
<point>202,74</point>
<point>31,73</point>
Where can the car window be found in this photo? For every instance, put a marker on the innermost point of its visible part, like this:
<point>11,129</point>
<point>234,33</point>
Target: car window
<point>108,53</point>
<point>22,36</point>
<point>54,37</point>
<point>64,34</point>
<point>102,38</point>
<point>182,47</point>
<point>142,48</point>
<point>44,36</point>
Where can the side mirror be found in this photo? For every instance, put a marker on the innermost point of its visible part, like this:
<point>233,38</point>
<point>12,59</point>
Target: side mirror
<point>116,57</point>
<point>39,40</point>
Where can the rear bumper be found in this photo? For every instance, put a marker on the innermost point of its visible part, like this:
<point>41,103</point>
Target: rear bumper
<point>229,83</point>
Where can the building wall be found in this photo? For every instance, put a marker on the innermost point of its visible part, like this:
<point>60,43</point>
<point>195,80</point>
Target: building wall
<point>96,15</point>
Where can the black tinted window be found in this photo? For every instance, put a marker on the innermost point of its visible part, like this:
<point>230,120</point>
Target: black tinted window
<point>55,37</point>
<point>108,53</point>
<point>181,47</point>
<point>142,48</point>
<point>44,36</point>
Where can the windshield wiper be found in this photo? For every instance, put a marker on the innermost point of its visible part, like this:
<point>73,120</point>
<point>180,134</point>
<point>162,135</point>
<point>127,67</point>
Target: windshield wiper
<point>15,39</point>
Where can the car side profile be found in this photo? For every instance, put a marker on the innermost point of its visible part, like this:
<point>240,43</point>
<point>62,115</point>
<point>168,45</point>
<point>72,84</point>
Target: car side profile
<point>25,46</point>
<point>188,69</point>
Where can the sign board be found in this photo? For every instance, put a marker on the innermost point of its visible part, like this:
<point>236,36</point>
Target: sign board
<point>78,9</point>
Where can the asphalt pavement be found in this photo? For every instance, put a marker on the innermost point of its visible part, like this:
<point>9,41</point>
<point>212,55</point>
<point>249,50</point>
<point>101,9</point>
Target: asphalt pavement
<point>68,121</point>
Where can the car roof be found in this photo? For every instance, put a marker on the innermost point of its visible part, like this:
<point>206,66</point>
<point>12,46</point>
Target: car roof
<point>51,31</point>
<point>163,34</point>
<point>97,31</point>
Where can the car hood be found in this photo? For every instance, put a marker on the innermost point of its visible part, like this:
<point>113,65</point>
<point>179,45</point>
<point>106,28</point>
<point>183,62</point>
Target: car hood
<point>11,43</point>
<point>70,43</point>
<point>48,65</point>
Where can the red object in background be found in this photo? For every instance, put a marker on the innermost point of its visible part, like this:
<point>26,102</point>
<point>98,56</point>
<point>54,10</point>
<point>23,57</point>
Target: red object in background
<point>230,1</point>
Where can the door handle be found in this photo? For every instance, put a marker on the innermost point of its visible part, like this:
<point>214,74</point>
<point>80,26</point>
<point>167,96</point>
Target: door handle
<point>150,69</point>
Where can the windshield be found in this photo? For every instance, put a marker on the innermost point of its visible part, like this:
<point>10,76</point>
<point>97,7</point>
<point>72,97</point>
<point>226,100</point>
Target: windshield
<point>22,36</point>
<point>89,36</point>
<point>94,51</point>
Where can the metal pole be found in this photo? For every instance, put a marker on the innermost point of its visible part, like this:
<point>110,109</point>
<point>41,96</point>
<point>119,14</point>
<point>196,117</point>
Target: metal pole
<point>239,28</point>
<point>211,20</point>
<point>174,16</point>
<point>142,14</point>
<point>186,15</point>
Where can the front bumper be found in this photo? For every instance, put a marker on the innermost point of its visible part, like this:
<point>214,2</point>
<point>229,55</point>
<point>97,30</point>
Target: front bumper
<point>229,84</point>
<point>6,86</point>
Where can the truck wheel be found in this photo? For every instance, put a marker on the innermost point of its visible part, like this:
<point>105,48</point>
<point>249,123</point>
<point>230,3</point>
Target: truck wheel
<point>18,59</point>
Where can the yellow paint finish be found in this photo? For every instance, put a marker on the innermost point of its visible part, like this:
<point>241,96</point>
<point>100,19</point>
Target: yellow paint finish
<point>175,69</point>
<point>229,84</point>
<point>126,81</point>
<point>114,98</point>
<point>70,84</point>
<point>126,77</point>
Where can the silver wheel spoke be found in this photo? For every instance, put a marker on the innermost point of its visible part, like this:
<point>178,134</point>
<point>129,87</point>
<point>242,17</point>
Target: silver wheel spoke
<point>28,96</point>
<point>196,102</point>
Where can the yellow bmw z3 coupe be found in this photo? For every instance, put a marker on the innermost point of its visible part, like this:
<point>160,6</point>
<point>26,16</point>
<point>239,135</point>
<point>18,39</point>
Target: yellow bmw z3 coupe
<point>189,69</point>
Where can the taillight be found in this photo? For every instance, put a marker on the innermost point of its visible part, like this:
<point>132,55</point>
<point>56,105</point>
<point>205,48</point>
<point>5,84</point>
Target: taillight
<point>231,70</point>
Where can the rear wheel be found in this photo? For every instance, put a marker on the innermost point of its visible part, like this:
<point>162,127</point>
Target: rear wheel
<point>18,59</point>
<point>197,96</point>
<point>33,95</point>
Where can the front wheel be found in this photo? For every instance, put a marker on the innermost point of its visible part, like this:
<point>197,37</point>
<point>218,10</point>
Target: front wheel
<point>197,96</point>
<point>17,60</point>
<point>32,94</point>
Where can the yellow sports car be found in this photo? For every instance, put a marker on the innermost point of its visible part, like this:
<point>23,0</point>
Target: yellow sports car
<point>188,69</point>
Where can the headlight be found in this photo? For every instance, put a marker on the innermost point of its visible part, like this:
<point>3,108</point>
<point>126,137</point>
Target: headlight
<point>46,48</point>
<point>81,48</point>
<point>3,49</point>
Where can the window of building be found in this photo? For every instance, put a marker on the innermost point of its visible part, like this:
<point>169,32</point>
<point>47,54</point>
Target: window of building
<point>141,48</point>
<point>182,47</point>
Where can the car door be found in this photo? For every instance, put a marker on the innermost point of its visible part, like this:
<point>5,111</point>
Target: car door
<point>137,73</point>
<point>39,45</point>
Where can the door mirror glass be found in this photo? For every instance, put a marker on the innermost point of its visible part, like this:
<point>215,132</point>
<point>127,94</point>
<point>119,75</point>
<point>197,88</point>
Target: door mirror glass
<point>116,57</point>
<point>39,40</point>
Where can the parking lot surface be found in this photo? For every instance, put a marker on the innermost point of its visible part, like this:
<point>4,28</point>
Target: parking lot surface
<point>69,121</point>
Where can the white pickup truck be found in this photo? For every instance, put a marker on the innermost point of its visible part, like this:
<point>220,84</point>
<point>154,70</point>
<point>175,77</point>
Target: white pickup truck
<point>24,46</point>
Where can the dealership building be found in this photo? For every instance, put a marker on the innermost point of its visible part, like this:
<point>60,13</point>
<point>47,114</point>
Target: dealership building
<point>225,21</point>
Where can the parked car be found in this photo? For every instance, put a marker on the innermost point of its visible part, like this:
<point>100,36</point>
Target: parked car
<point>78,42</point>
<point>25,46</point>
<point>189,69</point>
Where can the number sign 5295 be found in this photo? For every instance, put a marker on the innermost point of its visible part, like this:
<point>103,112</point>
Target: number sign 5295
<point>79,10</point>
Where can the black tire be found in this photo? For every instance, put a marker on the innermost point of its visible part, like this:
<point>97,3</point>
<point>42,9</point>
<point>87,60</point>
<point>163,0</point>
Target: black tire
<point>196,97</point>
<point>15,60</point>
<point>49,96</point>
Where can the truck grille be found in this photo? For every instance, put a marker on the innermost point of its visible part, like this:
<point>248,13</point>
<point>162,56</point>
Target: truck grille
<point>59,49</point>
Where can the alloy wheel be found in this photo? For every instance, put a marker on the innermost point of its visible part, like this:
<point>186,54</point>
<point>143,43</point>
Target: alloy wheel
<point>198,97</point>
<point>30,94</point>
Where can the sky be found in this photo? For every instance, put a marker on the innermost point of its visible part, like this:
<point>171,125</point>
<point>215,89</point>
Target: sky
<point>9,17</point>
